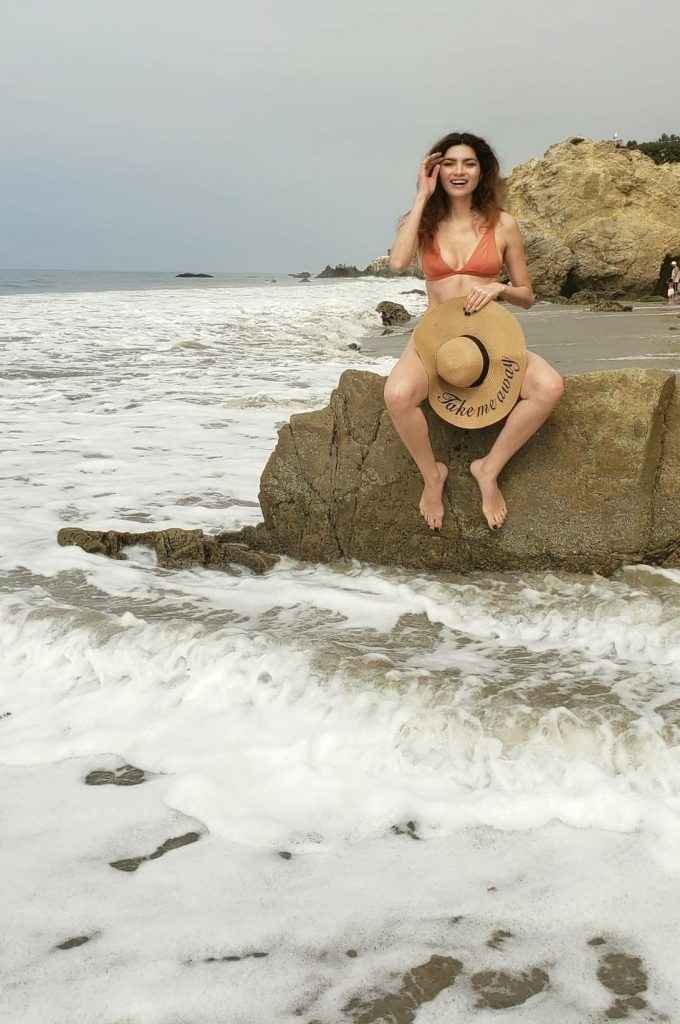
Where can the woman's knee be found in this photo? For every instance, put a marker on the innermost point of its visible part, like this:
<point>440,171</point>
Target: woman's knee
<point>553,387</point>
<point>545,384</point>
<point>401,396</point>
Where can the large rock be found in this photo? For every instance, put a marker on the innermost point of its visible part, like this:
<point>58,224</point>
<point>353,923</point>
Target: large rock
<point>597,216</point>
<point>597,487</point>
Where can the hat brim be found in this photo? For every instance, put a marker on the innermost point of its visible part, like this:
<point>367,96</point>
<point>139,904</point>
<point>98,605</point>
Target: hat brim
<point>502,337</point>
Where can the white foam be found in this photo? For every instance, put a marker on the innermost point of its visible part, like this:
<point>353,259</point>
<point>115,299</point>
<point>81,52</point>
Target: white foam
<point>524,724</point>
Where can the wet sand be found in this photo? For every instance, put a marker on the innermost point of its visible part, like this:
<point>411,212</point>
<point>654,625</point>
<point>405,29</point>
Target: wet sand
<point>574,340</point>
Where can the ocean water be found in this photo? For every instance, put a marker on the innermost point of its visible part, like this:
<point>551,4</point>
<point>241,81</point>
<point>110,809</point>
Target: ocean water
<point>370,767</point>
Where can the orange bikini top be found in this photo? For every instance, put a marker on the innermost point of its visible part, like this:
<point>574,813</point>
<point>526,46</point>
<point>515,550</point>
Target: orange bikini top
<point>484,261</point>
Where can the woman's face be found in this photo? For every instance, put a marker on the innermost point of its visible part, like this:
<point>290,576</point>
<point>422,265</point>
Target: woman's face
<point>460,171</point>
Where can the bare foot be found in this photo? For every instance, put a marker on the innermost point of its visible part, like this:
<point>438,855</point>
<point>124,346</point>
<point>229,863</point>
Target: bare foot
<point>493,503</point>
<point>431,504</point>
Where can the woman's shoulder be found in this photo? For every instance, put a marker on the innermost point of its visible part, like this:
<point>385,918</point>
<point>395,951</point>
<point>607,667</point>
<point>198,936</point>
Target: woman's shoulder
<point>508,230</point>
<point>506,221</point>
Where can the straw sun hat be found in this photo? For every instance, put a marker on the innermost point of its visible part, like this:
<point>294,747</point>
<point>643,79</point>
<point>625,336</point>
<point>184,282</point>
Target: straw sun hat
<point>475,364</point>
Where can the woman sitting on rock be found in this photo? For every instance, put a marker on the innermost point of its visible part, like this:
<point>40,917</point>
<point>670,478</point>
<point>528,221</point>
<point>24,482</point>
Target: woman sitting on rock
<point>463,239</point>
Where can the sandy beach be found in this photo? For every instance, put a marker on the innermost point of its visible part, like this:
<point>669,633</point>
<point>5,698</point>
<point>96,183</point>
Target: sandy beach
<point>575,340</point>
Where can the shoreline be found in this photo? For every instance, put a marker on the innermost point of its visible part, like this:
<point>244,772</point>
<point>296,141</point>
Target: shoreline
<point>575,340</point>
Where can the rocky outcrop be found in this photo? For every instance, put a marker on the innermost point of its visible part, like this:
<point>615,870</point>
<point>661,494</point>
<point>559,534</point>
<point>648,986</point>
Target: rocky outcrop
<point>341,270</point>
<point>596,216</point>
<point>176,548</point>
<point>380,267</point>
<point>598,487</point>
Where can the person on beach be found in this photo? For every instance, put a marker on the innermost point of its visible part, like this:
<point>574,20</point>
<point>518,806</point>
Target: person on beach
<point>463,238</point>
<point>674,282</point>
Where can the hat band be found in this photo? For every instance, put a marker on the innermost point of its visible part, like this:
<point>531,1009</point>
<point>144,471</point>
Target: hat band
<point>485,360</point>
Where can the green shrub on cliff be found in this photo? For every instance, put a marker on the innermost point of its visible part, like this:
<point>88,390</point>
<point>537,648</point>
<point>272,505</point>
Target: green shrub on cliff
<point>665,150</point>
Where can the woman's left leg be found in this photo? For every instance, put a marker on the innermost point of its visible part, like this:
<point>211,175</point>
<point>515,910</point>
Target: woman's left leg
<point>542,389</point>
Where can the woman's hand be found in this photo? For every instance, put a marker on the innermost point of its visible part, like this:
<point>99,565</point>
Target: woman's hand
<point>428,174</point>
<point>481,295</point>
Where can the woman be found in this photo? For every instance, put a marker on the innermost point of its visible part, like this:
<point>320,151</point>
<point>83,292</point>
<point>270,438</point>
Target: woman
<point>463,239</point>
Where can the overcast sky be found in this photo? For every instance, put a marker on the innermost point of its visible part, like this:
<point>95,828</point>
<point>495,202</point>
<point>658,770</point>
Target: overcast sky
<point>165,135</point>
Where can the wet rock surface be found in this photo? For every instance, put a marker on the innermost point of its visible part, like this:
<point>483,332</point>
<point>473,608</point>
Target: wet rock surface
<point>498,938</point>
<point>408,829</point>
<point>177,548</point>
<point>498,990</point>
<point>622,974</point>
<point>230,958</point>
<point>127,775</point>
<point>392,313</point>
<point>78,940</point>
<point>132,863</point>
<point>419,985</point>
<point>598,487</point>
<point>625,1007</point>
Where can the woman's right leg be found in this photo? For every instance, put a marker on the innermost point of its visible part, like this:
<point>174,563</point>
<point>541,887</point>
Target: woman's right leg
<point>405,389</point>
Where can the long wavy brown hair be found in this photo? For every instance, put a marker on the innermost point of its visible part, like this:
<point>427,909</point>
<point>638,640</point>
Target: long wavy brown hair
<point>487,198</point>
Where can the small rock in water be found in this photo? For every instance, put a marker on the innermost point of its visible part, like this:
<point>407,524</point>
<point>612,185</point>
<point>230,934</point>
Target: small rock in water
<point>498,937</point>
<point>127,864</point>
<point>357,348</point>
<point>620,1008</point>
<point>419,985</point>
<point>231,958</point>
<point>622,974</point>
<point>78,940</point>
<point>174,844</point>
<point>99,777</point>
<point>132,863</point>
<point>128,775</point>
<point>409,830</point>
<point>499,990</point>
<point>286,854</point>
<point>392,313</point>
